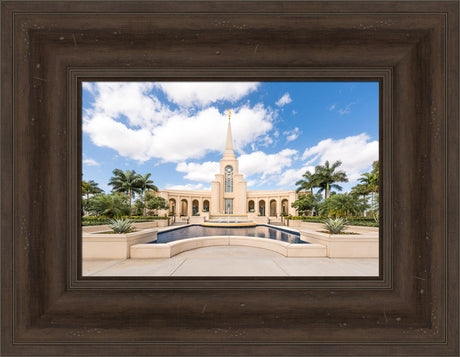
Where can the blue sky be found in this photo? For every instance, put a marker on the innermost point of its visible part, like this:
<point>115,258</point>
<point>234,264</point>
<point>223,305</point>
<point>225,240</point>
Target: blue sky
<point>176,130</point>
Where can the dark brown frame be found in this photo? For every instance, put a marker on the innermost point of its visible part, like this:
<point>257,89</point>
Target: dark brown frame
<point>410,47</point>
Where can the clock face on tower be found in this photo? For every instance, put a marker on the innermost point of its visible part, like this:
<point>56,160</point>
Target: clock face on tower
<point>228,169</point>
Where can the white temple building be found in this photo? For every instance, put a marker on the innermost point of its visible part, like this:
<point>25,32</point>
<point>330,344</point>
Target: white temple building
<point>229,194</point>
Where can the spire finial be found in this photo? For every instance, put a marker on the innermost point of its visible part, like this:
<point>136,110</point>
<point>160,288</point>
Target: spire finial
<point>229,154</point>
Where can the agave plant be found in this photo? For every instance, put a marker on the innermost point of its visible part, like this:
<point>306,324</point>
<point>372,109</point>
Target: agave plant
<point>123,225</point>
<point>335,225</point>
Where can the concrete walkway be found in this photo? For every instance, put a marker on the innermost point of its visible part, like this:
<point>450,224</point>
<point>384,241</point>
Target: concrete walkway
<point>231,261</point>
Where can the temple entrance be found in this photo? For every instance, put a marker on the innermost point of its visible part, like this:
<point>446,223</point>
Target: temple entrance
<point>228,202</point>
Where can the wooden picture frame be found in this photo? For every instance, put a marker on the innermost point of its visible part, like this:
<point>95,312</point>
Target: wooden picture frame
<point>48,48</point>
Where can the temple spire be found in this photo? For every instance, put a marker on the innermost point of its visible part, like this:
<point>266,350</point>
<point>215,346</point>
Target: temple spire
<point>228,153</point>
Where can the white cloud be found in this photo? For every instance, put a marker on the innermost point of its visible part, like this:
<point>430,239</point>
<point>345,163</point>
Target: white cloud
<point>293,134</point>
<point>265,141</point>
<point>252,183</point>
<point>356,153</point>
<point>189,186</point>
<point>332,107</point>
<point>204,93</point>
<point>346,109</point>
<point>199,172</point>
<point>129,120</point>
<point>182,138</point>
<point>88,86</point>
<point>289,177</point>
<point>90,162</point>
<point>266,164</point>
<point>130,100</point>
<point>285,99</point>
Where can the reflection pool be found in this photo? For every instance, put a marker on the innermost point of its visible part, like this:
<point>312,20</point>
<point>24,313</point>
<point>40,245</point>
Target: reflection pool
<point>259,231</point>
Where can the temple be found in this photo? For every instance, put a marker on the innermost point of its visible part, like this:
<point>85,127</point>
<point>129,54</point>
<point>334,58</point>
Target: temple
<point>229,194</point>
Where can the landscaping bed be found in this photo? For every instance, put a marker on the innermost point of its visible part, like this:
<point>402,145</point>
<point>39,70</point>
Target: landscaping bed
<point>97,221</point>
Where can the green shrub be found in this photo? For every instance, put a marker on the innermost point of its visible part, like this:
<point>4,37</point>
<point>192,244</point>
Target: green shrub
<point>144,218</point>
<point>100,220</point>
<point>352,221</point>
<point>122,225</point>
<point>335,225</point>
<point>113,205</point>
<point>363,223</point>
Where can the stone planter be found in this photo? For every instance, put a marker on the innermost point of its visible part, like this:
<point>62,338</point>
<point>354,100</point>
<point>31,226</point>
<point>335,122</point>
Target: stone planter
<point>293,222</point>
<point>114,246</point>
<point>345,246</point>
<point>196,219</point>
<point>162,223</point>
<point>137,225</point>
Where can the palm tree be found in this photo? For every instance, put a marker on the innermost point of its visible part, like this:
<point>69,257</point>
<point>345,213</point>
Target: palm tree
<point>370,180</point>
<point>146,184</point>
<point>361,189</point>
<point>128,182</point>
<point>89,188</point>
<point>307,183</point>
<point>113,205</point>
<point>326,177</point>
<point>343,204</point>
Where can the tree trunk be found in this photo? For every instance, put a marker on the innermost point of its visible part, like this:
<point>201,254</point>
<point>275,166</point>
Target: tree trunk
<point>364,212</point>
<point>144,212</point>
<point>130,206</point>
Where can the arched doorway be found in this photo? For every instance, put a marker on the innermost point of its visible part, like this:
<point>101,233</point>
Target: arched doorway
<point>251,206</point>
<point>262,207</point>
<point>172,206</point>
<point>183,208</point>
<point>285,206</point>
<point>205,206</point>
<point>195,207</point>
<point>273,208</point>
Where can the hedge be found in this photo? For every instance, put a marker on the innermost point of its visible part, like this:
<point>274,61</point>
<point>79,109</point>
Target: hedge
<point>352,221</point>
<point>97,221</point>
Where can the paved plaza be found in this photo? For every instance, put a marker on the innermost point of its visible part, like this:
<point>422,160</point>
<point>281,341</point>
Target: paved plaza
<point>232,261</point>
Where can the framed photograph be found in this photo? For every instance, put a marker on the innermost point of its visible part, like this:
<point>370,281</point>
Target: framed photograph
<point>223,178</point>
<point>57,55</point>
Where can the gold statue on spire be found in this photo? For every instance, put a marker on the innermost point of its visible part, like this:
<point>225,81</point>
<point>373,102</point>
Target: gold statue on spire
<point>229,113</point>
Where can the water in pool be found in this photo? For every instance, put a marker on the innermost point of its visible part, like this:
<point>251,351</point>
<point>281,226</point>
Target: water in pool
<point>200,231</point>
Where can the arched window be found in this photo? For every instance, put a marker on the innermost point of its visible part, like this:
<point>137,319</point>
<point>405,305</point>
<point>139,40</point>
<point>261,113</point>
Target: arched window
<point>194,207</point>
<point>228,179</point>
<point>172,206</point>
<point>273,208</point>
<point>285,206</point>
<point>205,206</point>
<point>262,207</point>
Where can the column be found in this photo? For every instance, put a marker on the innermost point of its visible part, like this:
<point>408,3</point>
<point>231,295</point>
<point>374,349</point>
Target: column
<point>278,207</point>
